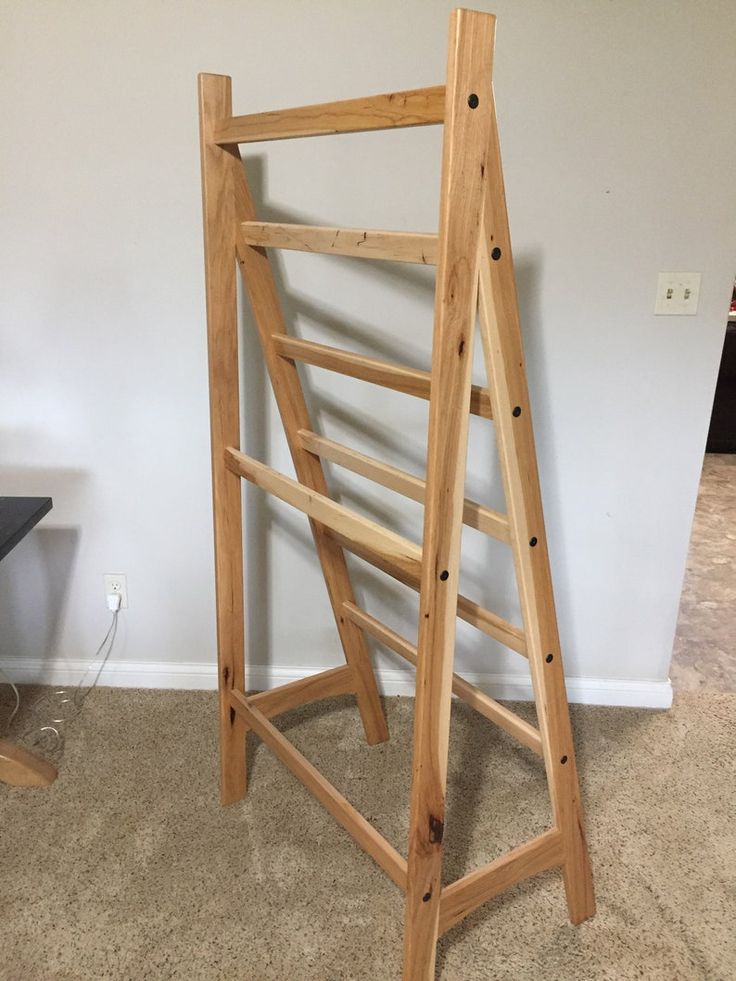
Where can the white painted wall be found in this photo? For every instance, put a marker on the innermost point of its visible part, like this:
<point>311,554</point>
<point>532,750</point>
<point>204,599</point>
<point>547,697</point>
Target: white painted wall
<point>615,125</point>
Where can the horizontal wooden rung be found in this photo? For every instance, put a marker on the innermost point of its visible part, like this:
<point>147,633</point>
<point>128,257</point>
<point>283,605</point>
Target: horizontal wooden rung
<point>474,515</point>
<point>335,681</point>
<point>418,247</point>
<point>473,696</point>
<point>341,809</point>
<point>415,107</point>
<point>473,613</point>
<point>387,374</point>
<point>391,548</point>
<point>383,548</point>
<point>462,897</point>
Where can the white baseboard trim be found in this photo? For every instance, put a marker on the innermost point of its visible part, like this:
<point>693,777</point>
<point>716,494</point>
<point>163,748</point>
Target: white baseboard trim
<point>166,674</point>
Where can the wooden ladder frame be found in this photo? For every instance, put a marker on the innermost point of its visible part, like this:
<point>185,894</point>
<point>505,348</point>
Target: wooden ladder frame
<point>472,253</point>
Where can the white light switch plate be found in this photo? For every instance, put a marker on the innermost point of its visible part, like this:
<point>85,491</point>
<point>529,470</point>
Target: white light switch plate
<point>677,293</point>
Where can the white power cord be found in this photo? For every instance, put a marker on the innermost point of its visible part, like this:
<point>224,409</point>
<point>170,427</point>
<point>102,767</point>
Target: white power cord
<point>62,705</point>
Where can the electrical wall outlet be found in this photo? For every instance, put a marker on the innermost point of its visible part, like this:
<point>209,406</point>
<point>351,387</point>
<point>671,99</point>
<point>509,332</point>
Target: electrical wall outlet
<point>677,294</point>
<point>117,582</point>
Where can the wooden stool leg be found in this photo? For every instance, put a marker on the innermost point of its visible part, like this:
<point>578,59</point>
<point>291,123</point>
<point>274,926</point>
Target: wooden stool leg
<point>222,333</point>
<point>467,130</point>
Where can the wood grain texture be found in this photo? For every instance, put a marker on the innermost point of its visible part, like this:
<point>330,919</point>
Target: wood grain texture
<point>222,339</point>
<point>504,357</point>
<point>387,374</point>
<point>474,515</point>
<point>21,768</point>
<point>466,137</point>
<point>367,534</point>
<point>415,107</point>
<point>260,288</point>
<point>325,684</point>
<point>358,243</point>
<point>470,694</point>
<point>468,610</point>
<point>460,898</point>
<point>340,808</point>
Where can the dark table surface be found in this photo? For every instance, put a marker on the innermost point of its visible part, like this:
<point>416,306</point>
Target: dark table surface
<point>17,516</point>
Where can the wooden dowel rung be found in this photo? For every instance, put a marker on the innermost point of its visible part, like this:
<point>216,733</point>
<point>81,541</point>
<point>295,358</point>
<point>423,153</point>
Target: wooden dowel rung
<point>417,247</point>
<point>473,613</point>
<point>415,107</point>
<point>341,809</point>
<point>463,896</point>
<point>335,681</point>
<point>474,515</point>
<point>387,374</point>
<point>392,548</point>
<point>471,694</point>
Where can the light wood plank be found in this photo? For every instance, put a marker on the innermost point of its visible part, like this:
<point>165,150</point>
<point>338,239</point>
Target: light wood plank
<point>21,768</point>
<point>504,358</point>
<point>367,534</point>
<point>470,694</point>
<point>358,243</point>
<point>467,124</point>
<point>415,107</point>
<point>222,338</point>
<point>260,288</point>
<point>468,610</point>
<point>341,809</point>
<point>387,374</point>
<point>335,681</point>
<point>460,898</point>
<point>474,515</point>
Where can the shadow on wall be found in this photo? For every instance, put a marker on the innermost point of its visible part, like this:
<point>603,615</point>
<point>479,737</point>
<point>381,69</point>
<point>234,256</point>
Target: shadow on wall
<point>35,576</point>
<point>490,578</point>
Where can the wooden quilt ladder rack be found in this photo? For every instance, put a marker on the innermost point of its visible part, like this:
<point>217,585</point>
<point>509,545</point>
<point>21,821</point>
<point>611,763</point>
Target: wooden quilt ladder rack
<point>472,253</point>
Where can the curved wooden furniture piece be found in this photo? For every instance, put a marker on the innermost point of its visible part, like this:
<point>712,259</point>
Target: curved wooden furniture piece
<point>21,768</point>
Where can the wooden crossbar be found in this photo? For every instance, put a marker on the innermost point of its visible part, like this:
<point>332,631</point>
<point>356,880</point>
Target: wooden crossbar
<point>460,898</point>
<point>383,548</point>
<point>339,807</point>
<point>359,243</point>
<point>415,107</point>
<point>393,548</point>
<point>474,515</point>
<point>325,684</point>
<point>468,610</point>
<point>387,374</point>
<point>472,695</point>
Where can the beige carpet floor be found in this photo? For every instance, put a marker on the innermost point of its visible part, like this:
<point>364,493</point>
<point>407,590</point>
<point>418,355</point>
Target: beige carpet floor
<point>128,868</point>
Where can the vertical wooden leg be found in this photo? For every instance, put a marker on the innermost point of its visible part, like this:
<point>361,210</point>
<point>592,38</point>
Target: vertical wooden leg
<point>467,114</point>
<point>502,344</point>
<point>222,332</point>
<point>261,289</point>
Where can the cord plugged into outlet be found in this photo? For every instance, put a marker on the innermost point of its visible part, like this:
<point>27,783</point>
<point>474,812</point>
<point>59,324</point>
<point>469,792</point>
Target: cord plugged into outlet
<point>116,585</point>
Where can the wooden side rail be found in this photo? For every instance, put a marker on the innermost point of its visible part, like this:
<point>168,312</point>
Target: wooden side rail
<point>460,898</point>
<point>358,243</point>
<point>387,374</point>
<point>472,695</point>
<point>390,547</point>
<point>415,107</point>
<point>328,795</point>
<point>474,515</point>
<point>335,681</point>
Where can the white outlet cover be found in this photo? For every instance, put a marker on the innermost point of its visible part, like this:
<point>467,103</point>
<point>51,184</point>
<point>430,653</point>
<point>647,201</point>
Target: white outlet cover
<point>117,582</point>
<point>677,294</point>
